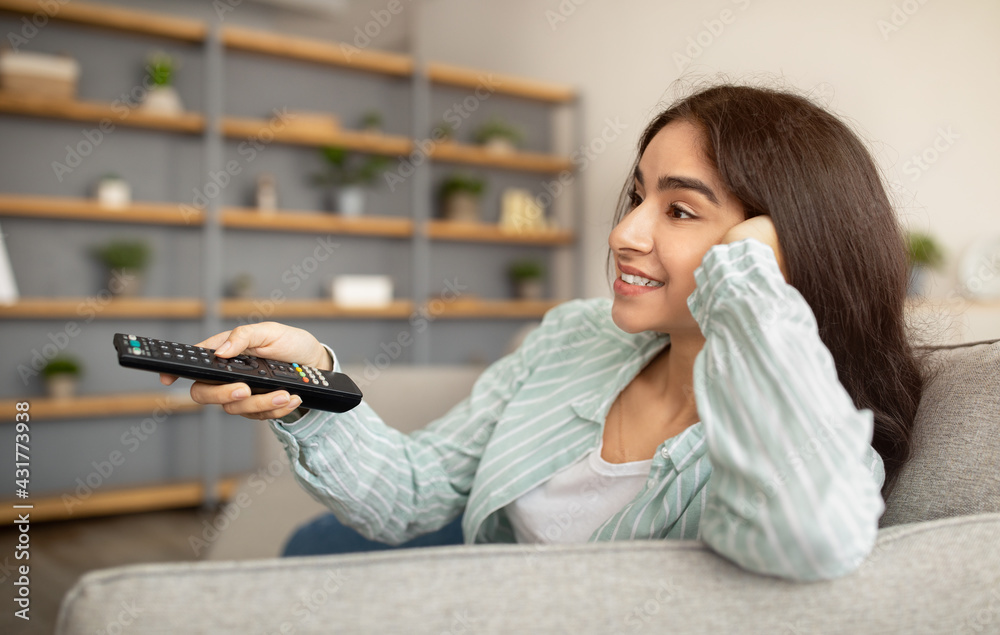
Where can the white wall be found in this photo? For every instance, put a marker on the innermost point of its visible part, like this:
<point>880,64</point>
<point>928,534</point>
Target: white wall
<point>938,71</point>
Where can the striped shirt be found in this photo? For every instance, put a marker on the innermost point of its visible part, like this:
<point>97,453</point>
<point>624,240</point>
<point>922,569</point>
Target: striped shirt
<point>778,475</point>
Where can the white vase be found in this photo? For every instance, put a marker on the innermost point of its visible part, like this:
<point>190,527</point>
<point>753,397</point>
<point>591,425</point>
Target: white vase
<point>462,207</point>
<point>114,193</point>
<point>61,386</point>
<point>163,100</point>
<point>351,200</point>
<point>500,145</point>
<point>125,283</point>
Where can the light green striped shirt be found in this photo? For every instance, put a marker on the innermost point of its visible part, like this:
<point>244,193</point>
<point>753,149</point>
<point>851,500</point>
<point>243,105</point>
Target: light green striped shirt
<point>778,475</point>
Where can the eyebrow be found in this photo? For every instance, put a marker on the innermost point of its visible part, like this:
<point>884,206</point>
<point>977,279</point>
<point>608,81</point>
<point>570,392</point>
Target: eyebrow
<point>680,183</point>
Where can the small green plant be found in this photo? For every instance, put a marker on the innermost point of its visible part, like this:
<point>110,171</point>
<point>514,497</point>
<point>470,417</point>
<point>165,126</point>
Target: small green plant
<point>496,128</point>
<point>344,167</point>
<point>924,250</point>
<point>161,68</point>
<point>124,254</point>
<point>63,365</point>
<point>372,119</point>
<point>443,131</point>
<point>462,183</point>
<point>521,270</point>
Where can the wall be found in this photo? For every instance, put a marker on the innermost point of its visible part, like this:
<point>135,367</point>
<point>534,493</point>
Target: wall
<point>916,77</point>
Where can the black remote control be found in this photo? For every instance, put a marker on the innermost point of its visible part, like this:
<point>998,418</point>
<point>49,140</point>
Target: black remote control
<point>319,389</point>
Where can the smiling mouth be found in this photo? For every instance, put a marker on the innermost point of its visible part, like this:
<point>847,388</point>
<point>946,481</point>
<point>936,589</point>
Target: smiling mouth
<point>639,281</point>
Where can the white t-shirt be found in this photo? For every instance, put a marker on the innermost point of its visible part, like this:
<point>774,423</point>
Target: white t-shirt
<point>571,505</point>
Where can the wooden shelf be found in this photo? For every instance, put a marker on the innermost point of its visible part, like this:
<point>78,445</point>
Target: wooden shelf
<point>481,232</point>
<point>89,210</point>
<point>477,155</point>
<point>496,82</point>
<point>234,308</point>
<point>479,308</point>
<point>373,143</point>
<point>43,408</point>
<point>120,501</point>
<point>113,17</point>
<point>319,51</point>
<point>292,221</point>
<point>97,112</point>
<point>56,308</point>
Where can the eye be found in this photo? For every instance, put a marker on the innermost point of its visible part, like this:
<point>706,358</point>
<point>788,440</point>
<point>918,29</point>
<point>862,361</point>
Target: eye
<point>679,212</point>
<point>634,200</point>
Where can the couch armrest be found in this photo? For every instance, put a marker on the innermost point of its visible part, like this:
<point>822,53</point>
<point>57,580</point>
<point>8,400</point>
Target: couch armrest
<point>933,577</point>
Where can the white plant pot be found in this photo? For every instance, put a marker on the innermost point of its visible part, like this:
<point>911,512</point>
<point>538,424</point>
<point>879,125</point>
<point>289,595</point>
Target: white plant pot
<point>163,100</point>
<point>351,200</point>
<point>462,207</point>
<point>125,283</point>
<point>62,386</point>
<point>500,145</point>
<point>114,193</point>
<point>529,289</point>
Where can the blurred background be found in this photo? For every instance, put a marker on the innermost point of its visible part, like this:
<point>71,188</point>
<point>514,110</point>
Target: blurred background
<point>414,181</point>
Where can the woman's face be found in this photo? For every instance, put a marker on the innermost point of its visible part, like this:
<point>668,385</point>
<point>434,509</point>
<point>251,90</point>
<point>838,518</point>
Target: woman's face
<point>679,209</point>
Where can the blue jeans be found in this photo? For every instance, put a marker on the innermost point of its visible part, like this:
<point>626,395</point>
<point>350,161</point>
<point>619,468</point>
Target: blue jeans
<point>326,535</point>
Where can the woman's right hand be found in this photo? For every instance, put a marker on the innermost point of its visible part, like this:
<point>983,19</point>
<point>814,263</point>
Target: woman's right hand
<point>266,339</point>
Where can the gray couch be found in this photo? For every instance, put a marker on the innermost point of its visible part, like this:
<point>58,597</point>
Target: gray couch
<point>935,567</point>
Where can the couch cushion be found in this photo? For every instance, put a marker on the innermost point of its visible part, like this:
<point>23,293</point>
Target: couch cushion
<point>955,466</point>
<point>937,577</point>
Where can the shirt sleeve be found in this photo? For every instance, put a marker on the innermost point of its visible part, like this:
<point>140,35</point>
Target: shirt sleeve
<point>795,485</point>
<point>391,486</point>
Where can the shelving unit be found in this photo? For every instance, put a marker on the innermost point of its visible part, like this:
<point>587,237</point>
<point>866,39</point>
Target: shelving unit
<point>97,112</point>
<point>216,222</point>
<point>103,405</point>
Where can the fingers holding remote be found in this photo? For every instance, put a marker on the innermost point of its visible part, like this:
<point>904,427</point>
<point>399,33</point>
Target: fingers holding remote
<point>236,399</point>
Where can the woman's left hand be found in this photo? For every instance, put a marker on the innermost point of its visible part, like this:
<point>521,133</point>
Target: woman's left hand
<point>762,228</point>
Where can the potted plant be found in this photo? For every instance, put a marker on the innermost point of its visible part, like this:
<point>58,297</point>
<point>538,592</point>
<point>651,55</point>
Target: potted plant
<point>349,173</point>
<point>460,194</point>
<point>497,135</point>
<point>125,260</point>
<point>924,254</point>
<point>443,132</point>
<point>371,122</point>
<point>62,375</point>
<point>162,97</point>
<point>113,192</point>
<point>526,277</point>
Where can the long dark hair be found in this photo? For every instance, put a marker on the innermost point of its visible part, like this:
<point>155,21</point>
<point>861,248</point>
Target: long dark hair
<point>782,155</point>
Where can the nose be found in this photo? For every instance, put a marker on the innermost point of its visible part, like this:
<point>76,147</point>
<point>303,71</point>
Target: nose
<point>634,231</point>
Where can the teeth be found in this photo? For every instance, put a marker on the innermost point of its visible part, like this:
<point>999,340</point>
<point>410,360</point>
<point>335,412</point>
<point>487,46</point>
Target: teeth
<point>639,280</point>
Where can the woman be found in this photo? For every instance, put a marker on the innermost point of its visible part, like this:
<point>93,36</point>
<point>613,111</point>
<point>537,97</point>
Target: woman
<point>750,384</point>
